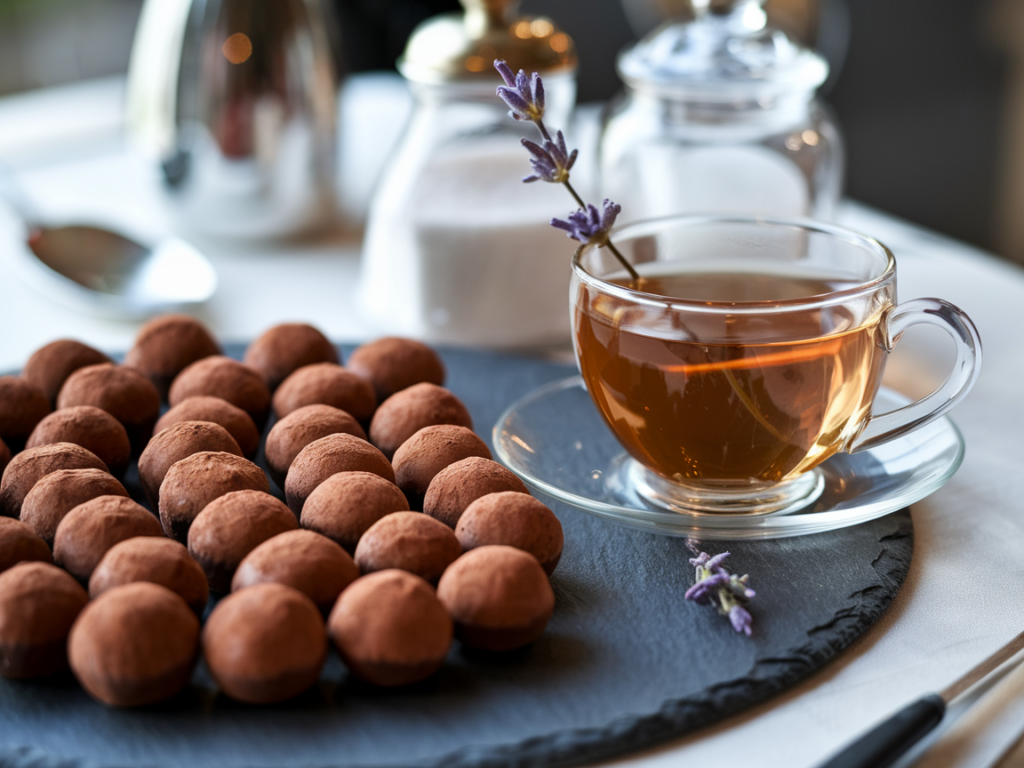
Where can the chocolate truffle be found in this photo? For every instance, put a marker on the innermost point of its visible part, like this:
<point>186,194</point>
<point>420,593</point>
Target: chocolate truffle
<point>392,364</point>
<point>300,428</point>
<point>328,456</point>
<point>307,561</point>
<point>407,412</point>
<point>38,605</point>
<point>32,465</point>
<point>391,629</point>
<point>516,520</point>
<point>231,527</point>
<point>93,429</point>
<point>59,492</point>
<point>89,530</point>
<point>345,505</point>
<point>19,543</point>
<point>223,377</point>
<point>285,348</point>
<point>177,442</point>
<point>167,345</point>
<point>156,560</point>
<point>197,480</point>
<point>50,365</point>
<point>499,597</point>
<point>22,406</point>
<point>265,644</point>
<point>134,645</point>
<point>457,486</point>
<point>410,541</point>
<point>5,457</point>
<point>431,449</point>
<point>326,384</point>
<point>217,411</point>
<point>122,392</point>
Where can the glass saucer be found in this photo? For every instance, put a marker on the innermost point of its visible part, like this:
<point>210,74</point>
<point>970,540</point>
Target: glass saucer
<point>555,440</point>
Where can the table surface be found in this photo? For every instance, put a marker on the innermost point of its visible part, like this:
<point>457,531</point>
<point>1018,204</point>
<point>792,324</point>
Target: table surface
<point>961,599</point>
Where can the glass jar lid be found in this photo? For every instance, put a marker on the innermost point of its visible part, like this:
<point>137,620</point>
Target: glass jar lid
<point>456,47</point>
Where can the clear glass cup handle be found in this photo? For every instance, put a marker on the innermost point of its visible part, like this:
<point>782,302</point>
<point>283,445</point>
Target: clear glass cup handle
<point>887,426</point>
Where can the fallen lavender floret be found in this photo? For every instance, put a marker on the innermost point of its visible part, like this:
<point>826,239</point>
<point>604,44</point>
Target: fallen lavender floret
<point>589,226</point>
<point>716,586</point>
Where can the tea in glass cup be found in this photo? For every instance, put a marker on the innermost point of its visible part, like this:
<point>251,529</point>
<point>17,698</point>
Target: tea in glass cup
<point>749,351</point>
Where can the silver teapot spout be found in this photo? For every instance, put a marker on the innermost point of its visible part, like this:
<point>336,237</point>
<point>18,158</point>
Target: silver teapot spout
<point>236,102</point>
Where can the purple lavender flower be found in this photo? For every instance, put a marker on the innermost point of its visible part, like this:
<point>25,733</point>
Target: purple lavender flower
<point>716,586</point>
<point>741,620</point>
<point>552,162</point>
<point>523,95</point>
<point>589,226</point>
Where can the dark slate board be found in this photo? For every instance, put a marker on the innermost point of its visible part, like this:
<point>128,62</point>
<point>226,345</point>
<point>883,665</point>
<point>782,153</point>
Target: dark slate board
<point>625,662</point>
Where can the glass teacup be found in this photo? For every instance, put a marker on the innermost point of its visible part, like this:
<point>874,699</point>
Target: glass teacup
<point>748,353</point>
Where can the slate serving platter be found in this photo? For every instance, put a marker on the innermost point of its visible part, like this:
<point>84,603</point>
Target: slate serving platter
<point>624,664</point>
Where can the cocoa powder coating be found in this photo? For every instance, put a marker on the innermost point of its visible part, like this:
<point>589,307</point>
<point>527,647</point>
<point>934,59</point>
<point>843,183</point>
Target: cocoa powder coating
<point>167,345</point>
<point>328,456</point>
<point>38,606</point>
<point>307,561</point>
<point>229,379</point>
<point>409,541</point>
<point>122,392</point>
<point>418,460</point>
<point>22,406</point>
<point>192,483</point>
<point>499,598</point>
<point>300,428</point>
<point>134,645</point>
<point>265,644</point>
<point>89,530</point>
<point>59,492</point>
<point>90,427</point>
<point>392,364</point>
<point>19,544</point>
<point>155,560</point>
<point>345,505</point>
<point>32,465</point>
<point>326,384</point>
<point>390,628</point>
<point>231,527</point>
<point>407,412</point>
<point>516,520</point>
<point>50,365</point>
<point>285,348</point>
<point>177,442</point>
<point>217,411</point>
<point>457,486</point>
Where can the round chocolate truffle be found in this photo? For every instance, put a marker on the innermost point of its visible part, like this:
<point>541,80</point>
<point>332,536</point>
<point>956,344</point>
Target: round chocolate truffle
<point>5,457</point>
<point>89,530</point>
<point>300,428</point>
<point>265,644</point>
<point>285,348</point>
<point>231,527</point>
<point>516,520</point>
<point>19,543</point>
<point>392,364</point>
<point>197,480</point>
<point>410,541</point>
<point>32,465</point>
<point>418,460</point>
<point>122,392</point>
<point>307,561</point>
<point>156,560</point>
<point>87,426</point>
<point>177,442</point>
<point>407,412</point>
<point>22,406</point>
<point>457,486</point>
<point>38,605</point>
<point>326,384</point>
<point>167,345</point>
<point>345,505</point>
<point>50,365</point>
<point>134,645</point>
<point>217,411</point>
<point>59,492</point>
<point>223,377</point>
<point>499,597</point>
<point>391,629</point>
<point>328,456</point>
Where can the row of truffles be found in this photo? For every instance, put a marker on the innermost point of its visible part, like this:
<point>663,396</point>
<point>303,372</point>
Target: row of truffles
<point>398,531</point>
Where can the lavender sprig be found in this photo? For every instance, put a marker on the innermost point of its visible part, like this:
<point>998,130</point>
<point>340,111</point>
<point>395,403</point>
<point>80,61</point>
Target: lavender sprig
<point>716,586</point>
<point>552,162</point>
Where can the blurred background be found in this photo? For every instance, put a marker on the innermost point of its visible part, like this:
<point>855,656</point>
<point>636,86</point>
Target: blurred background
<point>929,93</point>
